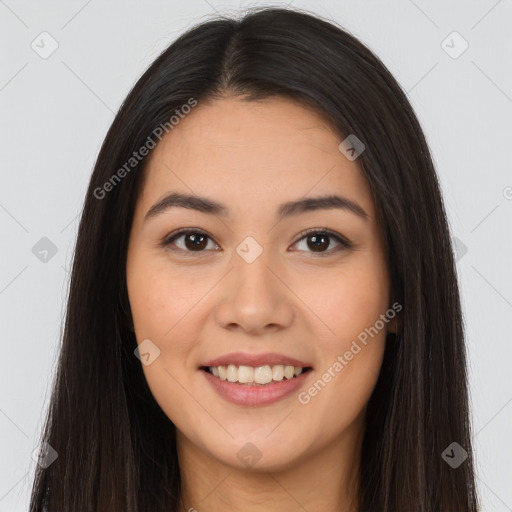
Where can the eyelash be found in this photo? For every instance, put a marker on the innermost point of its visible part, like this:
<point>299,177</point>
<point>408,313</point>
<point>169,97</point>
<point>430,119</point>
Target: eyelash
<point>344,243</point>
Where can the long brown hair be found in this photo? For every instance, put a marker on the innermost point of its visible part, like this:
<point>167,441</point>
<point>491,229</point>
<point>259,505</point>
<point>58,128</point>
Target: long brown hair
<point>116,448</point>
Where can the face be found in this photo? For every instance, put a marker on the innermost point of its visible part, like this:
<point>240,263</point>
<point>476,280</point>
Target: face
<point>258,285</point>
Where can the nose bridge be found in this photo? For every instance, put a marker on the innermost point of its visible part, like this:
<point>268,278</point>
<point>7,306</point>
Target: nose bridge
<point>251,270</point>
<point>255,297</point>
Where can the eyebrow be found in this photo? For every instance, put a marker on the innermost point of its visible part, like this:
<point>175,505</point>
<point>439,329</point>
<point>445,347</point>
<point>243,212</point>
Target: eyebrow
<point>289,209</point>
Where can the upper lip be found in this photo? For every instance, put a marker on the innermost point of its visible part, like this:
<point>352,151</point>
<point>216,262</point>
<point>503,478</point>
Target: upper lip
<point>268,358</point>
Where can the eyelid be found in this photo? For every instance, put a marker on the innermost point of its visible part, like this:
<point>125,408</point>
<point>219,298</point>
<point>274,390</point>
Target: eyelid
<point>325,231</point>
<point>345,243</point>
<point>184,231</point>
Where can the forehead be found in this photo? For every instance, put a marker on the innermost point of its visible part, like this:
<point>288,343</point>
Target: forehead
<point>263,151</point>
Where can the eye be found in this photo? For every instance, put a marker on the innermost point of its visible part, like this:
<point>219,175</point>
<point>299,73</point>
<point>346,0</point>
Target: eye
<point>319,239</point>
<point>196,240</point>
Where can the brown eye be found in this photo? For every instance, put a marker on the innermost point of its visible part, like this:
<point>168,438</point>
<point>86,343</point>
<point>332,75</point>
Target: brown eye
<point>318,241</point>
<point>193,241</point>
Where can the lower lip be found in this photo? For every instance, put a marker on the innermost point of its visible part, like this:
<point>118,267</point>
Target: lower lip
<point>242,394</point>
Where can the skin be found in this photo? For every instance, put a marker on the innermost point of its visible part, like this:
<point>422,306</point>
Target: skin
<point>195,306</point>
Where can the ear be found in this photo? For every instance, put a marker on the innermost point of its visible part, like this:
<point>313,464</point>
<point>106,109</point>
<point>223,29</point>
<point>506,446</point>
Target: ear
<point>392,325</point>
<point>395,323</point>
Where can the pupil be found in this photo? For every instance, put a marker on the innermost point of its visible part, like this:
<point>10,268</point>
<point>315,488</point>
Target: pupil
<point>198,241</point>
<point>317,243</point>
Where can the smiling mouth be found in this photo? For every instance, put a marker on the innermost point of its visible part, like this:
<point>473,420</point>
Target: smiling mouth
<point>255,376</point>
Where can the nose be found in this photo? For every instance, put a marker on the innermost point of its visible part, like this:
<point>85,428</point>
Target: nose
<point>255,298</point>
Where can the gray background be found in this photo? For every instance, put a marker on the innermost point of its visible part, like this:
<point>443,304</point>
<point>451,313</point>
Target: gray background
<point>55,112</point>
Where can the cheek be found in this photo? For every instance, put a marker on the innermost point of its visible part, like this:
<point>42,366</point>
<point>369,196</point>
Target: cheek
<point>346,300</point>
<point>351,338</point>
<point>160,299</point>
<point>161,306</point>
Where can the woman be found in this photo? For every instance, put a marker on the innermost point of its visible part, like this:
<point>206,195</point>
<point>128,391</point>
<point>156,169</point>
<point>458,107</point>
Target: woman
<point>264,311</point>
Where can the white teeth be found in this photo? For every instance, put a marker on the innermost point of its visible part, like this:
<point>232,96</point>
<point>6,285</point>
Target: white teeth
<point>289,372</point>
<point>263,374</point>
<point>278,372</point>
<point>259,375</point>
<point>245,374</point>
<point>232,374</point>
